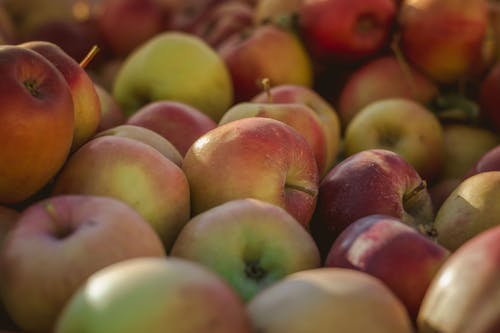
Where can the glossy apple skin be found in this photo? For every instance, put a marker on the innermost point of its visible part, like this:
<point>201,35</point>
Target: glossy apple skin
<point>37,130</point>
<point>374,181</point>
<point>260,158</point>
<point>489,98</point>
<point>134,172</point>
<point>465,294</point>
<point>178,122</point>
<point>397,254</point>
<point>489,161</point>
<point>57,243</point>
<point>111,113</point>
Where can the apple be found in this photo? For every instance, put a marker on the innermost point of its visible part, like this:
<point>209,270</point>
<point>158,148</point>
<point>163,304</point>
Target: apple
<point>57,243</point>
<point>178,122</point>
<point>274,10</point>
<point>346,31</point>
<point>87,107</point>
<point>403,126</point>
<point>489,161</point>
<point>111,113</point>
<point>381,78</point>
<point>174,66</point>
<point>260,158</point>
<point>470,209</point>
<point>36,123</point>
<point>443,38</point>
<point>297,115</point>
<point>489,98</point>
<point>134,172</point>
<point>266,51</point>
<point>158,292</point>
<point>328,299</point>
<point>383,246</point>
<point>266,244</point>
<point>464,296</point>
<point>374,181</point>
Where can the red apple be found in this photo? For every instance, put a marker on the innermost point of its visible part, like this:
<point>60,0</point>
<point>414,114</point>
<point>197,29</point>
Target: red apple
<point>489,161</point>
<point>489,98</point>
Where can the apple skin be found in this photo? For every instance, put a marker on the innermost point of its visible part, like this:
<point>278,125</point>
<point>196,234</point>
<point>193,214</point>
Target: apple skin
<point>297,115</point>
<point>346,31</point>
<point>374,181</point>
<point>178,122</point>
<point>249,58</point>
<point>332,300</point>
<point>384,124</point>
<point>489,98</point>
<point>401,257</point>
<point>489,161</point>
<point>174,66</point>
<point>443,38</point>
<point>260,158</point>
<point>266,244</point>
<point>291,93</point>
<point>46,256</point>
<point>381,78</point>
<point>470,209</point>
<point>465,294</point>
<point>36,121</point>
<point>163,290</point>
<point>134,172</point>
<point>87,107</point>
<point>111,113</point>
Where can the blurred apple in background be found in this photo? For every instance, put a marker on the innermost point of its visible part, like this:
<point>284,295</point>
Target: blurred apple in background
<point>255,157</point>
<point>489,98</point>
<point>178,122</point>
<point>489,161</point>
<point>266,244</point>
<point>266,51</point>
<point>7,28</point>
<point>275,10</point>
<point>37,123</point>
<point>403,126</point>
<point>158,292</point>
<point>465,294</point>
<point>401,257</point>
<point>57,243</point>
<point>338,299</point>
<point>111,113</point>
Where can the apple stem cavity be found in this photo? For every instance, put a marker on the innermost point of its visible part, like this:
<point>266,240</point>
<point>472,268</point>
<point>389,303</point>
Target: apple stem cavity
<point>88,58</point>
<point>32,88</point>
<point>265,83</point>
<point>254,271</point>
<point>410,195</point>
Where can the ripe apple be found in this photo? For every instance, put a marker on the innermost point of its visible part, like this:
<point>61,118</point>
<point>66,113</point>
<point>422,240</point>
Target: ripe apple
<point>489,161</point>
<point>134,172</point>
<point>111,113</point>
<point>260,158</point>
<point>328,300</point>
<point>178,122</point>
<point>57,243</point>
<point>470,209</point>
<point>465,294</point>
<point>266,244</point>
<point>374,181</point>
<point>36,122</point>
<point>154,294</point>
<point>346,30</point>
<point>385,247</point>
<point>250,57</point>
<point>403,126</point>
<point>174,66</point>
<point>381,78</point>
<point>489,98</point>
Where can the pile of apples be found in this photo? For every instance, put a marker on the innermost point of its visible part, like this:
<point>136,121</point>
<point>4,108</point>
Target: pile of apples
<point>238,166</point>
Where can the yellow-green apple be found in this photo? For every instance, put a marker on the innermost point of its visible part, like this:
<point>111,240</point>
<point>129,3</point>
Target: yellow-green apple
<point>164,290</point>
<point>260,158</point>
<point>266,244</point>
<point>174,66</point>
<point>111,113</point>
<point>135,173</point>
<point>291,93</point>
<point>36,123</point>
<point>57,243</point>
<point>380,78</point>
<point>489,98</point>
<point>374,181</point>
<point>346,30</point>
<point>87,107</point>
<point>443,38</point>
<point>249,57</point>
<point>464,296</point>
<point>489,161</point>
<point>403,126</point>
<point>274,10</point>
<point>401,257</point>
<point>471,208</point>
<point>178,122</point>
<point>297,115</point>
<point>328,299</point>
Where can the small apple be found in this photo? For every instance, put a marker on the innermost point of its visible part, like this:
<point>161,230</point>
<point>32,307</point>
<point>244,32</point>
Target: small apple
<point>111,113</point>
<point>489,161</point>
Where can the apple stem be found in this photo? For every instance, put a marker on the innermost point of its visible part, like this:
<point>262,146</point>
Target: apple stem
<point>49,208</point>
<point>88,58</point>
<point>403,63</point>
<point>410,195</point>
<point>266,86</point>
